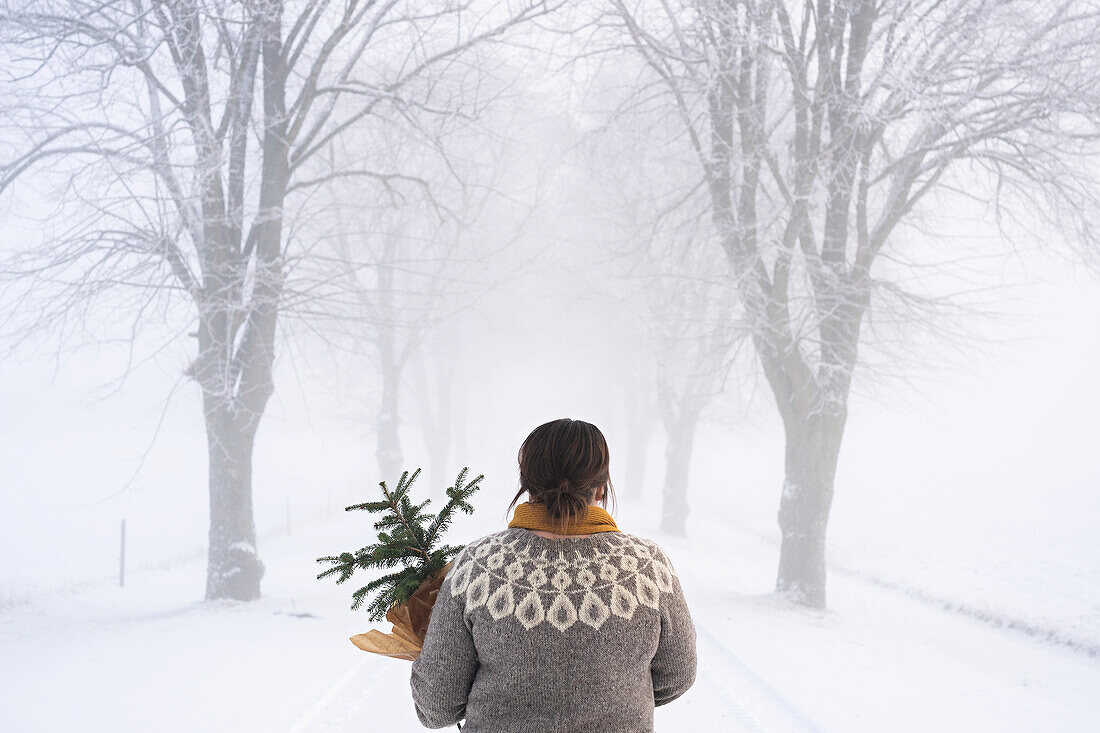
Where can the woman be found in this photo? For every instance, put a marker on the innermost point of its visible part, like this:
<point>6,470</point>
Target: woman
<point>561,622</point>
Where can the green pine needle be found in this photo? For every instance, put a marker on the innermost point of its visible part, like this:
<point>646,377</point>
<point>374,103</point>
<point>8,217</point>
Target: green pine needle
<point>408,544</point>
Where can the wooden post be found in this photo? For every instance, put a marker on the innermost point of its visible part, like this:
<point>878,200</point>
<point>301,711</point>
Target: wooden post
<point>122,555</point>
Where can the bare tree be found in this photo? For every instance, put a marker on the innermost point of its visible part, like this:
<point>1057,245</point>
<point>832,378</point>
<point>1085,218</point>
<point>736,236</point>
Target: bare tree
<point>394,338</point>
<point>691,334</point>
<point>414,259</point>
<point>436,378</point>
<point>695,344</point>
<point>819,129</point>
<point>191,136</point>
<point>401,298</point>
<point>639,403</point>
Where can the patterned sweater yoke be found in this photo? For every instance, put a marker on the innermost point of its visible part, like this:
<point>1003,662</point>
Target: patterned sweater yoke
<point>559,635</point>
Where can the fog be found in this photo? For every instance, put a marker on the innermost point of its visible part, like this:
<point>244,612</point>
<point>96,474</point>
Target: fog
<point>983,453</point>
<point>549,246</point>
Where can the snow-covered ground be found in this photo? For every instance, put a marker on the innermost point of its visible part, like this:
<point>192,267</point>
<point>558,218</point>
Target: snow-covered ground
<point>150,656</point>
<point>881,660</point>
<point>990,537</point>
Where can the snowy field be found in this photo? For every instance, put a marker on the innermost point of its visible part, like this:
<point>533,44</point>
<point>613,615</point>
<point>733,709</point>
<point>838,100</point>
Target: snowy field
<point>151,656</point>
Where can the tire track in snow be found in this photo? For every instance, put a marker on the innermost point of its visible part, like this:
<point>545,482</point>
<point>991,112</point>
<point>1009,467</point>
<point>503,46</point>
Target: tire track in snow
<point>739,717</point>
<point>369,696</point>
<point>323,708</point>
<point>755,703</point>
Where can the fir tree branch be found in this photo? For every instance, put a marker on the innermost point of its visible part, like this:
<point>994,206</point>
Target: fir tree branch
<point>394,505</point>
<point>406,546</point>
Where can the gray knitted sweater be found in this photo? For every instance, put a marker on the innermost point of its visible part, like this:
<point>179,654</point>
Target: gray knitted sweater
<point>555,636</point>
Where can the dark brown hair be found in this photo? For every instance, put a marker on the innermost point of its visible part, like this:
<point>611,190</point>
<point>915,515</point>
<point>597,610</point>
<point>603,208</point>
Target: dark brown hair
<point>565,465</point>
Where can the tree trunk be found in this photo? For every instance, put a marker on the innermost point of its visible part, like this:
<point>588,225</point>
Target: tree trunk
<point>237,381</point>
<point>388,449</point>
<point>435,389</point>
<point>459,430</point>
<point>234,568</point>
<point>678,450</point>
<point>812,449</point>
<point>639,432</point>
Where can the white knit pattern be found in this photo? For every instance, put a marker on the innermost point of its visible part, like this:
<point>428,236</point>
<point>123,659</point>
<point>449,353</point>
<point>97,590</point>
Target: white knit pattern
<point>512,576</point>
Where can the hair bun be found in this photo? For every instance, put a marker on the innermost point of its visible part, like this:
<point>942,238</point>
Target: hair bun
<point>563,464</point>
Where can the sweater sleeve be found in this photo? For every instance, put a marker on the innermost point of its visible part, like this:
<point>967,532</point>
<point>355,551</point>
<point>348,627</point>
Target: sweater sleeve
<point>445,670</point>
<point>673,666</point>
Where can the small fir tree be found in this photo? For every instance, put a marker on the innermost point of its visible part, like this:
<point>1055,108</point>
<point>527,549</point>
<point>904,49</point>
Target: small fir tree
<point>409,539</point>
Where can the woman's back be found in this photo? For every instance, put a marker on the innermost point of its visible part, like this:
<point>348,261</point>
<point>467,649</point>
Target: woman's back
<point>575,634</point>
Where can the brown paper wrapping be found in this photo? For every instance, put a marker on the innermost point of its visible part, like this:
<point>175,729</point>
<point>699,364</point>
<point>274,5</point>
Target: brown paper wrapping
<point>410,623</point>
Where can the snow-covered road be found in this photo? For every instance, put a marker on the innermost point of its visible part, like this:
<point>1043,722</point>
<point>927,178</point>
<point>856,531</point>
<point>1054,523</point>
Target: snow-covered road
<point>750,706</point>
<point>736,699</point>
<point>748,702</point>
<point>152,657</point>
<point>727,694</point>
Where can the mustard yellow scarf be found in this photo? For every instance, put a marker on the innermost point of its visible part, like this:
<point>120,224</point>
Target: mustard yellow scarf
<point>534,516</point>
